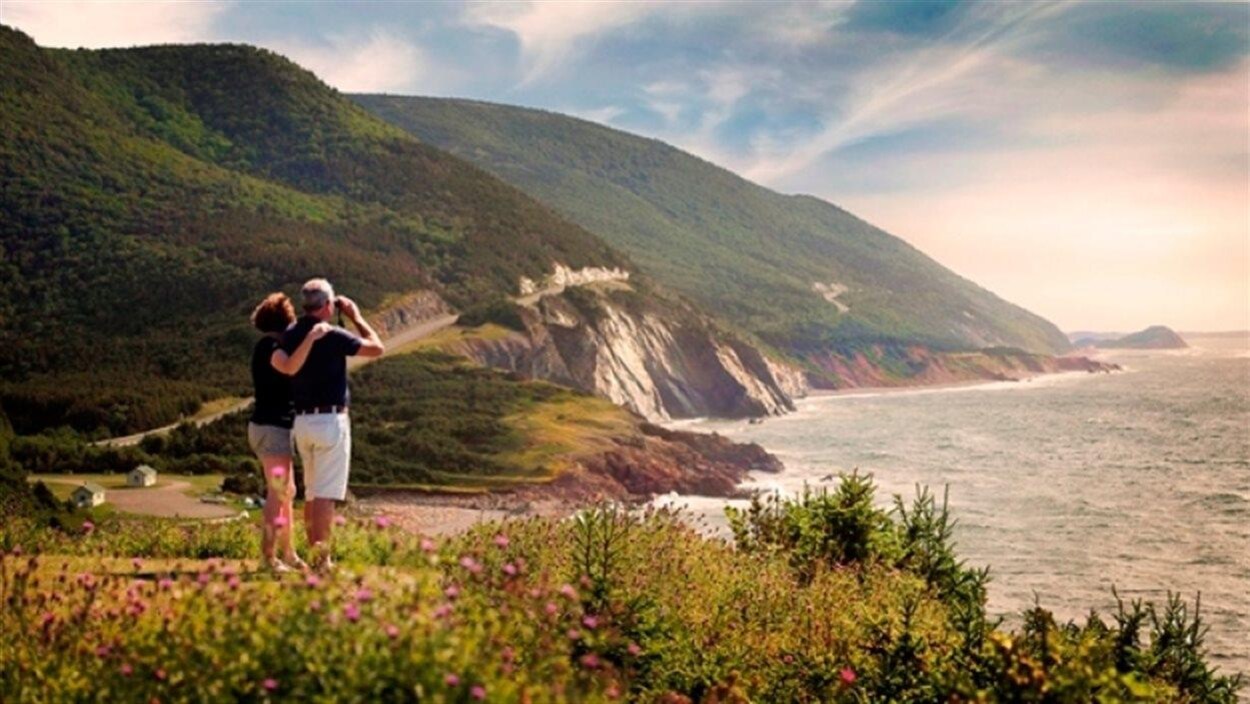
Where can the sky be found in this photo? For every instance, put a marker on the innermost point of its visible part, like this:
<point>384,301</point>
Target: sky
<point>1087,160</point>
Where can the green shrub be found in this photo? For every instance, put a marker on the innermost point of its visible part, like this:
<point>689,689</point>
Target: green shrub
<point>610,604</point>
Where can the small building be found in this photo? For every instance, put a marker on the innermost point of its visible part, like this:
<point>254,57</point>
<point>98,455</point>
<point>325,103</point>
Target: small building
<point>142,475</point>
<point>88,495</point>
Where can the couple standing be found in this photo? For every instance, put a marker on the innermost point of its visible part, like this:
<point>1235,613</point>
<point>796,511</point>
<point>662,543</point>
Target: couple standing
<point>299,370</point>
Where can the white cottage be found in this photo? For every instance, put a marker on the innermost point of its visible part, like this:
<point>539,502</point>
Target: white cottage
<point>142,475</point>
<point>87,495</point>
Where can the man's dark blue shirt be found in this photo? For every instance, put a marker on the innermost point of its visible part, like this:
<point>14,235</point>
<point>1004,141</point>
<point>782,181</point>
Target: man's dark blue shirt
<point>322,381</point>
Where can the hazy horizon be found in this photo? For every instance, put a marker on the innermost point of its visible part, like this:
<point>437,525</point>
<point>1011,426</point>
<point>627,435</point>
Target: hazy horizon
<point>1088,161</point>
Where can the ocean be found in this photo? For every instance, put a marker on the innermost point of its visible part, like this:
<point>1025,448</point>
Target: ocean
<point>1065,485</point>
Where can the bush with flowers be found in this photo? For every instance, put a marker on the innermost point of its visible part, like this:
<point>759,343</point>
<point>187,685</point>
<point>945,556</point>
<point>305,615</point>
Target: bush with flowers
<point>824,598</point>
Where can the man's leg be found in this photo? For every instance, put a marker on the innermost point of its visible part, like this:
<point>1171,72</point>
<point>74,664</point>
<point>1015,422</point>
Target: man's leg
<point>330,484</point>
<point>322,518</point>
<point>305,445</point>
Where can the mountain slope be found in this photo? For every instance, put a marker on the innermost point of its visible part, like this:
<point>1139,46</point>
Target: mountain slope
<point>798,272</point>
<point>150,196</point>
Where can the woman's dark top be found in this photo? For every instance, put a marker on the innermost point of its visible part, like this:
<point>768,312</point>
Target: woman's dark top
<point>273,388</point>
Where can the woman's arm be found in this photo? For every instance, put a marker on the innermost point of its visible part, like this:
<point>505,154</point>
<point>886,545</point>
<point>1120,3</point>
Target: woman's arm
<point>290,364</point>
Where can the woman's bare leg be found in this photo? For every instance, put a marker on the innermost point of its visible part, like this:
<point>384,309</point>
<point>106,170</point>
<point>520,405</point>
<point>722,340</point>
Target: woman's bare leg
<point>288,511</point>
<point>277,513</point>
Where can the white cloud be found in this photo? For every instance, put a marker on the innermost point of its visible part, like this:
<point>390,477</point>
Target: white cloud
<point>550,30</point>
<point>927,84</point>
<point>112,24</point>
<point>604,115</point>
<point>371,62</point>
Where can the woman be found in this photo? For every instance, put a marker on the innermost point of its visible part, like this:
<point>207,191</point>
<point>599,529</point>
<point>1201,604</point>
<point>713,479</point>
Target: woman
<point>269,431</point>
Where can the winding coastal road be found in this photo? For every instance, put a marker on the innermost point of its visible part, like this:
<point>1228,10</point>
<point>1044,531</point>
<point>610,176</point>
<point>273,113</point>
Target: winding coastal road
<point>423,329</point>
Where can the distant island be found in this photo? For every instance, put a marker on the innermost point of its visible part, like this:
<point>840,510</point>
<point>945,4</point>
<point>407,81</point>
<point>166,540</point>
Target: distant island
<point>1155,337</point>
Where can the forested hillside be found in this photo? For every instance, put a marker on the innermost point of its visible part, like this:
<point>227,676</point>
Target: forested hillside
<point>149,197</point>
<point>804,275</point>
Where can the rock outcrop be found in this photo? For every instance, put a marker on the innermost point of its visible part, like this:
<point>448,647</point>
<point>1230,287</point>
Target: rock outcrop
<point>661,461</point>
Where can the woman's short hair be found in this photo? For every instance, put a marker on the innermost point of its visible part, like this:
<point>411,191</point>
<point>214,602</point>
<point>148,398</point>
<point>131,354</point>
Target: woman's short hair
<point>274,314</point>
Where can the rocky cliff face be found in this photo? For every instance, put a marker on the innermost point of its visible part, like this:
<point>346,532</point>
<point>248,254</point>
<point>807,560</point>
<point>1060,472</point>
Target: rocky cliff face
<point>410,310</point>
<point>878,366</point>
<point>662,364</point>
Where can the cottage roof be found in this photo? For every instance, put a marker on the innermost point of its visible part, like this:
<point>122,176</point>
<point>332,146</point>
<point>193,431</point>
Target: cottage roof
<point>144,469</point>
<point>91,487</point>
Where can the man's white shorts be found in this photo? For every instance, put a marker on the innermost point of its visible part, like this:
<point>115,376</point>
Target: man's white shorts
<point>324,442</point>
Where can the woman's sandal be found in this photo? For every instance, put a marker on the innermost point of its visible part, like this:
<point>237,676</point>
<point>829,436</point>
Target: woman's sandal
<point>276,566</point>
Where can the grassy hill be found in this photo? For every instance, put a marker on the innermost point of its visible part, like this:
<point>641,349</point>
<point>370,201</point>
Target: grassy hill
<point>766,261</point>
<point>149,197</point>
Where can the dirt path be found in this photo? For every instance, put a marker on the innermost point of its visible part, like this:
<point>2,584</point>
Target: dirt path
<point>165,500</point>
<point>416,332</point>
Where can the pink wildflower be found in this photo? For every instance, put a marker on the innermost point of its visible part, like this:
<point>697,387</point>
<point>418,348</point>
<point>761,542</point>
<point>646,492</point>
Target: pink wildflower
<point>88,527</point>
<point>138,564</point>
<point>234,581</point>
<point>573,634</point>
<point>165,583</point>
<point>126,669</point>
<point>848,676</point>
<point>364,594</point>
<point>452,591</point>
<point>382,521</point>
<point>451,680</point>
<point>314,605</point>
<point>501,540</point>
<point>590,661</point>
<point>392,631</point>
<point>269,684</point>
<point>313,581</point>
<point>551,608</point>
<point>478,692</point>
<point>159,674</point>
<point>634,649</point>
<point>280,521</point>
<point>510,569</point>
<point>427,545</point>
<point>590,622</point>
<point>471,565</point>
<point>102,651</point>
<point>351,612</point>
<point>568,591</point>
<point>442,611</point>
<point>340,521</point>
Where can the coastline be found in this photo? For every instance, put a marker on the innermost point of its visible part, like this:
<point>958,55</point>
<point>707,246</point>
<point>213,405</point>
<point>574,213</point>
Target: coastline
<point>441,513</point>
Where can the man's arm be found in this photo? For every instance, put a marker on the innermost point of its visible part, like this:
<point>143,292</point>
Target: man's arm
<point>370,344</point>
<point>292,363</point>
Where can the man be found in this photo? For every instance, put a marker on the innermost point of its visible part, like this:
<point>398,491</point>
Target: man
<point>322,429</point>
